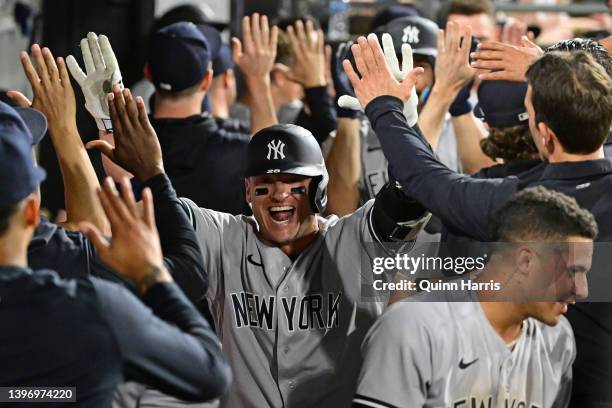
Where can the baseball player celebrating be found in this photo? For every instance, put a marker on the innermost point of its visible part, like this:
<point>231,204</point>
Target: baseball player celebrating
<point>477,353</point>
<point>285,284</point>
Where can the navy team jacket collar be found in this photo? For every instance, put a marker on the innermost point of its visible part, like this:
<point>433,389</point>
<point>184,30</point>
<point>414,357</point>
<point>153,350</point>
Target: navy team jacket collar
<point>11,272</point>
<point>577,170</point>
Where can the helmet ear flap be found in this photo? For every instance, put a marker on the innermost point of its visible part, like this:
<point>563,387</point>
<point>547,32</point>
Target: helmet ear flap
<point>318,194</point>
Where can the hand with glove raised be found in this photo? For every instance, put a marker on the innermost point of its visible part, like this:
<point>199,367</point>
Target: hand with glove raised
<point>378,74</point>
<point>392,64</point>
<point>102,74</point>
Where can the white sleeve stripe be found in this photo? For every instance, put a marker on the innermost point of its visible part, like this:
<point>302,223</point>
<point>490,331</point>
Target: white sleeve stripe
<point>361,401</point>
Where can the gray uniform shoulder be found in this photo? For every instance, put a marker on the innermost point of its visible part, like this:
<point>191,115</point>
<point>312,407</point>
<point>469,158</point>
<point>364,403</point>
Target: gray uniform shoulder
<point>402,320</point>
<point>558,340</point>
<point>200,217</point>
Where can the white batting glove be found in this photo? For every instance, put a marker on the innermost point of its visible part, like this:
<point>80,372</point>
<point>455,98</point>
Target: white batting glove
<point>102,73</point>
<point>410,107</point>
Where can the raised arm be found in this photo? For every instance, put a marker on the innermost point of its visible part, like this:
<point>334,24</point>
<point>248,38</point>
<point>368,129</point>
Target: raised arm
<point>344,160</point>
<point>54,97</point>
<point>172,349</point>
<point>137,150</point>
<point>308,69</point>
<point>255,56</point>
<point>459,201</point>
<point>453,76</point>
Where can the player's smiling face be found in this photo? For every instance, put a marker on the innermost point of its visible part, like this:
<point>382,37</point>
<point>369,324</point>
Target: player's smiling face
<point>565,273</point>
<point>281,206</point>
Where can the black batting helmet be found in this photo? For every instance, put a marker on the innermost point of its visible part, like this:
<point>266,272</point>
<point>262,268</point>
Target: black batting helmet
<point>419,32</point>
<point>289,149</point>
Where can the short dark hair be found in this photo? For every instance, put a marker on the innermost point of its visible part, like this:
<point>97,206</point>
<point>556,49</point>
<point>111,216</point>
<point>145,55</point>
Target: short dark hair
<point>511,143</point>
<point>470,7</point>
<point>597,51</point>
<point>537,213</point>
<point>5,217</point>
<point>572,94</point>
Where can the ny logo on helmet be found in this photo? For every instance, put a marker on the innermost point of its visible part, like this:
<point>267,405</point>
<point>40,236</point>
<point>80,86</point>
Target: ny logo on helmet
<point>411,35</point>
<point>276,148</point>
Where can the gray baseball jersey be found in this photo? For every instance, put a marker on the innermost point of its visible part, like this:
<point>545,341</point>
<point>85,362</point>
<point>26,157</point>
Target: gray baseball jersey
<point>374,164</point>
<point>447,354</point>
<point>292,329</point>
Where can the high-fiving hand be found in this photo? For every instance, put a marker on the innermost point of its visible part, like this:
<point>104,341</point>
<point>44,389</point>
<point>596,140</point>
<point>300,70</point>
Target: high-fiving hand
<point>505,62</point>
<point>309,61</point>
<point>135,250</point>
<point>102,74</point>
<point>410,106</point>
<point>378,75</point>
<point>53,94</point>
<point>256,53</point>
<point>137,148</point>
<point>453,69</point>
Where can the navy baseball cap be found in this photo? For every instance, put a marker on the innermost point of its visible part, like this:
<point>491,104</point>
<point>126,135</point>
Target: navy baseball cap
<point>19,176</point>
<point>419,32</point>
<point>35,121</point>
<point>502,103</point>
<point>180,56</point>
<point>223,61</point>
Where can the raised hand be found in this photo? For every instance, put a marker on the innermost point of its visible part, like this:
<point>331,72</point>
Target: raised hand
<point>256,53</point>
<point>53,94</point>
<point>453,69</point>
<point>308,47</point>
<point>505,62</point>
<point>102,74</point>
<point>513,32</point>
<point>136,149</point>
<point>410,106</point>
<point>134,250</point>
<point>392,64</point>
<point>376,76</point>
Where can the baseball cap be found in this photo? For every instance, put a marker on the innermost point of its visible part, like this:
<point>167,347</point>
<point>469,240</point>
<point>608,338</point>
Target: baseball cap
<point>223,61</point>
<point>19,176</point>
<point>34,119</point>
<point>502,103</point>
<point>419,32</point>
<point>197,14</point>
<point>179,58</point>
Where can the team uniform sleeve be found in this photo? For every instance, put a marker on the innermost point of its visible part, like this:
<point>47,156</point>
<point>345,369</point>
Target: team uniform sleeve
<point>166,345</point>
<point>217,233</point>
<point>461,202</point>
<point>179,243</point>
<point>397,367</point>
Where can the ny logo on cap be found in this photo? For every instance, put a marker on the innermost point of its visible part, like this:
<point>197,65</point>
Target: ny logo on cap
<point>277,149</point>
<point>411,35</point>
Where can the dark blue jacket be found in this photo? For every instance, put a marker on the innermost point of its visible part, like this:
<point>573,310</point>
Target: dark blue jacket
<point>93,334</point>
<point>71,255</point>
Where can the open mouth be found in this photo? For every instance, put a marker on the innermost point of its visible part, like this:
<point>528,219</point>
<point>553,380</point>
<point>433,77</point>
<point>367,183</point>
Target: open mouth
<point>281,214</point>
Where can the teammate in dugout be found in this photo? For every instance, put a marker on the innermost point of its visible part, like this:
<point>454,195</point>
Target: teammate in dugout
<point>464,350</point>
<point>569,125</point>
<point>285,284</point>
